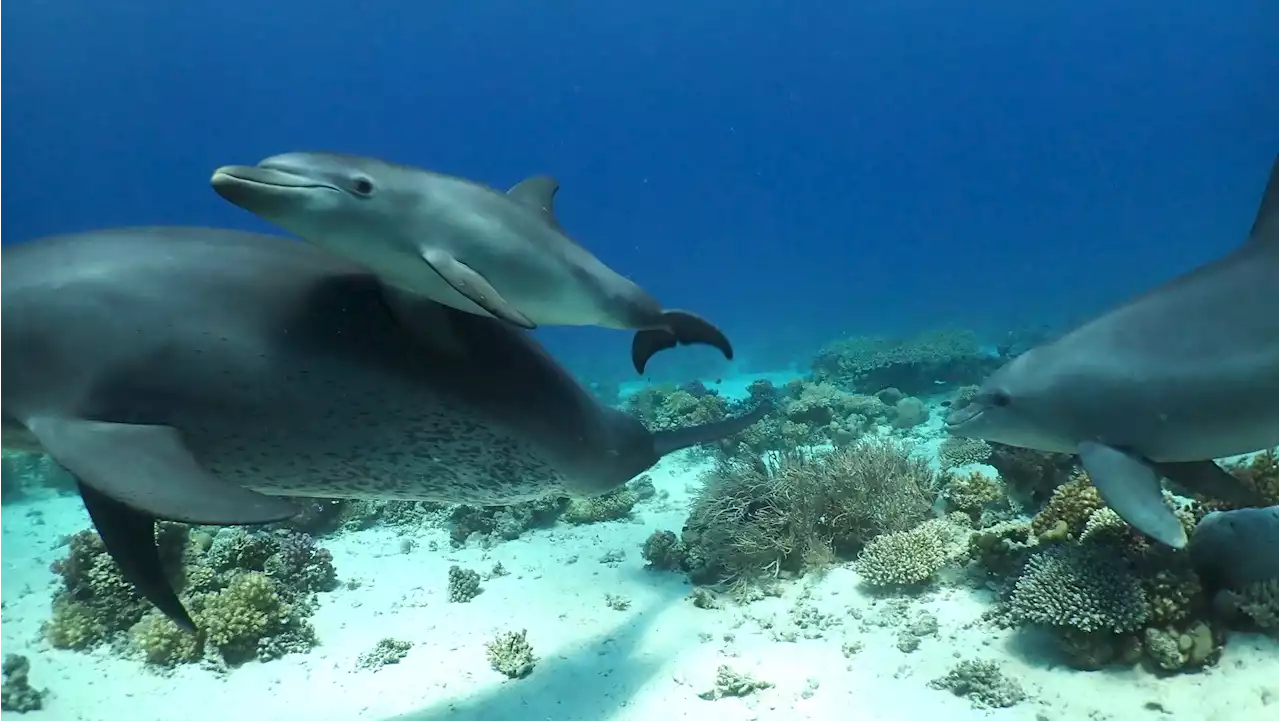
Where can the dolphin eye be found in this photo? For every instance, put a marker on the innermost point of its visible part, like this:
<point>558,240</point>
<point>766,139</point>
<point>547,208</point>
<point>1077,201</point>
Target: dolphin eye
<point>362,186</point>
<point>1000,399</point>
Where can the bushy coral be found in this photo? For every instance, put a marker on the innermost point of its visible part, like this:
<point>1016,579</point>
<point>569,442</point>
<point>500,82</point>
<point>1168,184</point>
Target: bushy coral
<point>250,610</point>
<point>511,655</point>
<point>757,517</point>
<point>664,551</point>
<point>911,557</point>
<point>983,683</point>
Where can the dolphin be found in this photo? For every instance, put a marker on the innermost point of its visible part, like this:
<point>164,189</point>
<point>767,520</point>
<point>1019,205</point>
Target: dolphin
<point>1234,549</point>
<point>202,375</point>
<point>459,243</point>
<point>1158,387</point>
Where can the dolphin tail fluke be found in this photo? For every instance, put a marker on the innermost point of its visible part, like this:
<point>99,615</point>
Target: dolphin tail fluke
<point>679,328</point>
<point>665,442</point>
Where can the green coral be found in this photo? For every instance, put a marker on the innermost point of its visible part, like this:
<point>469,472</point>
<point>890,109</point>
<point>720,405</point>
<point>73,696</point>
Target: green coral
<point>17,694</point>
<point>911,557</point>
<point>249,594</point>
<point>238,619</point>
<point>464,584</point>
<point>611,506</point>
<point>1068,510</point>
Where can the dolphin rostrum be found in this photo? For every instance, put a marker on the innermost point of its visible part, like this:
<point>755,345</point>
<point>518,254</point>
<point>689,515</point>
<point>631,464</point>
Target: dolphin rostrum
<point>1158,387</point>
<point>198,375</point>
<point>459,243</point>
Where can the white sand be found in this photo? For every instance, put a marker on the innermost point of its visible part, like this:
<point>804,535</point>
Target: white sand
<point>596,664</point>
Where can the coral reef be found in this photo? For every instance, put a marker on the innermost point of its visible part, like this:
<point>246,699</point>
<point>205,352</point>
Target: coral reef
<point>955,451</point>
<point>611,506</point>
<point>916,365</point>
<point>664,551</point>
<point>250,593</point>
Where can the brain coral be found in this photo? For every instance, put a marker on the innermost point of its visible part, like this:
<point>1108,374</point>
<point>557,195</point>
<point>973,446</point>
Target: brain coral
<point>1087,588</point>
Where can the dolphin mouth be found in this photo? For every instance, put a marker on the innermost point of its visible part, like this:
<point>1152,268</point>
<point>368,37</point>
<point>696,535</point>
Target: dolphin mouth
<point>962,416</point>
<point>240,175</point>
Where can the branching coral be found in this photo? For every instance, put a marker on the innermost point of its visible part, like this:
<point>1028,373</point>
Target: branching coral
<point>1068,509</point>
<point>1084,588</point>
<point>910,557</point>
<point>956,451</point>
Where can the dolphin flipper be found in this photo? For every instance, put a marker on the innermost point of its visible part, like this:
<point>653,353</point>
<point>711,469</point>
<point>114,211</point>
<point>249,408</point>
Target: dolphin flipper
<point>475,287</point>
<point>680,328</point>
<point>1209,479</point>
<point>130,539</point>
<point>1131,487</point>
<point>149,470</point>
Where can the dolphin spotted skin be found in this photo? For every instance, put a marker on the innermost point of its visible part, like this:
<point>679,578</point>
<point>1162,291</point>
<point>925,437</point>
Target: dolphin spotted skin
<point>459,243</point>
<point>199,375</point>
<point>1158,387</point>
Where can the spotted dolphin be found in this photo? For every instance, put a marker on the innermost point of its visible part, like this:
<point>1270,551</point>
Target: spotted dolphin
<point>460,243</point>
<point>1158,387</point>
<point>203,375</point>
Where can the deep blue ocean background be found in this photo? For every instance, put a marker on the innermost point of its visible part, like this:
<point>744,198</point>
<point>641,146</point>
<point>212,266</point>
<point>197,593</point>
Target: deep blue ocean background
<point>793,171</point>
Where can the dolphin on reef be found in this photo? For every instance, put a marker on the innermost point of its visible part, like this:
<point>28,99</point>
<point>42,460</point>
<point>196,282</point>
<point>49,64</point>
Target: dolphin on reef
<point>202,376</point>
<point>459,243</point>
<point>1156,388</point>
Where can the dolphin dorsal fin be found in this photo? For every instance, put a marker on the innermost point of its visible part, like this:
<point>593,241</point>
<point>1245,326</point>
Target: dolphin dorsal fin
<point>1264,228</point>
<point>538,193</point>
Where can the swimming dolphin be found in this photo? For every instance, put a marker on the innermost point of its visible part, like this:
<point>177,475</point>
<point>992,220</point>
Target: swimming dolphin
<point>459,243</point>
<point>197,375</point>
<point>1159,386</point>
<point>1234,549</point>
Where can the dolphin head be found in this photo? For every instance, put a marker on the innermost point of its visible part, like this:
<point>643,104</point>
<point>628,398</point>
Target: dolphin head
<point>329,199</point>
<point>1015,406</point>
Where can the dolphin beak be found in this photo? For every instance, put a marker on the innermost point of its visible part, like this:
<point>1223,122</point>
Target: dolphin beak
<point>960,416</point>
<point>240,175</point>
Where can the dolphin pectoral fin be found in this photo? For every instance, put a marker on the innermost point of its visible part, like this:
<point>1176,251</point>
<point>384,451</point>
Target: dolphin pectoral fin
<point>538,193</point>
<point>1131,487</point>
<point>681,328</point>
<point>129,537</point>
<point>1209,479</point>
<point>148,469</point>
<point>475,287</point>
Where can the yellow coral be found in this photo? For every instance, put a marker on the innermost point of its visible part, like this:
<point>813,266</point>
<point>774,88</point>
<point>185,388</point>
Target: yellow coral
<point>162,642</point>
<point>1072,504</point>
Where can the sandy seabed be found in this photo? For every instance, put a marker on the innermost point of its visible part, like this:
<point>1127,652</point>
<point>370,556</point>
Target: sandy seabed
<point>649,661</point>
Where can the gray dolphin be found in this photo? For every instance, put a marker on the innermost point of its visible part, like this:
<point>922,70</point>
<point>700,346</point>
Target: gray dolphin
<point>197,375</point>
<point>459,243</point>
<point>1159,386</point>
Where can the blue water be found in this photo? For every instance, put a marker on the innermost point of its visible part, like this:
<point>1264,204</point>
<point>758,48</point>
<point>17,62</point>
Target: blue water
<point>794,171</point>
